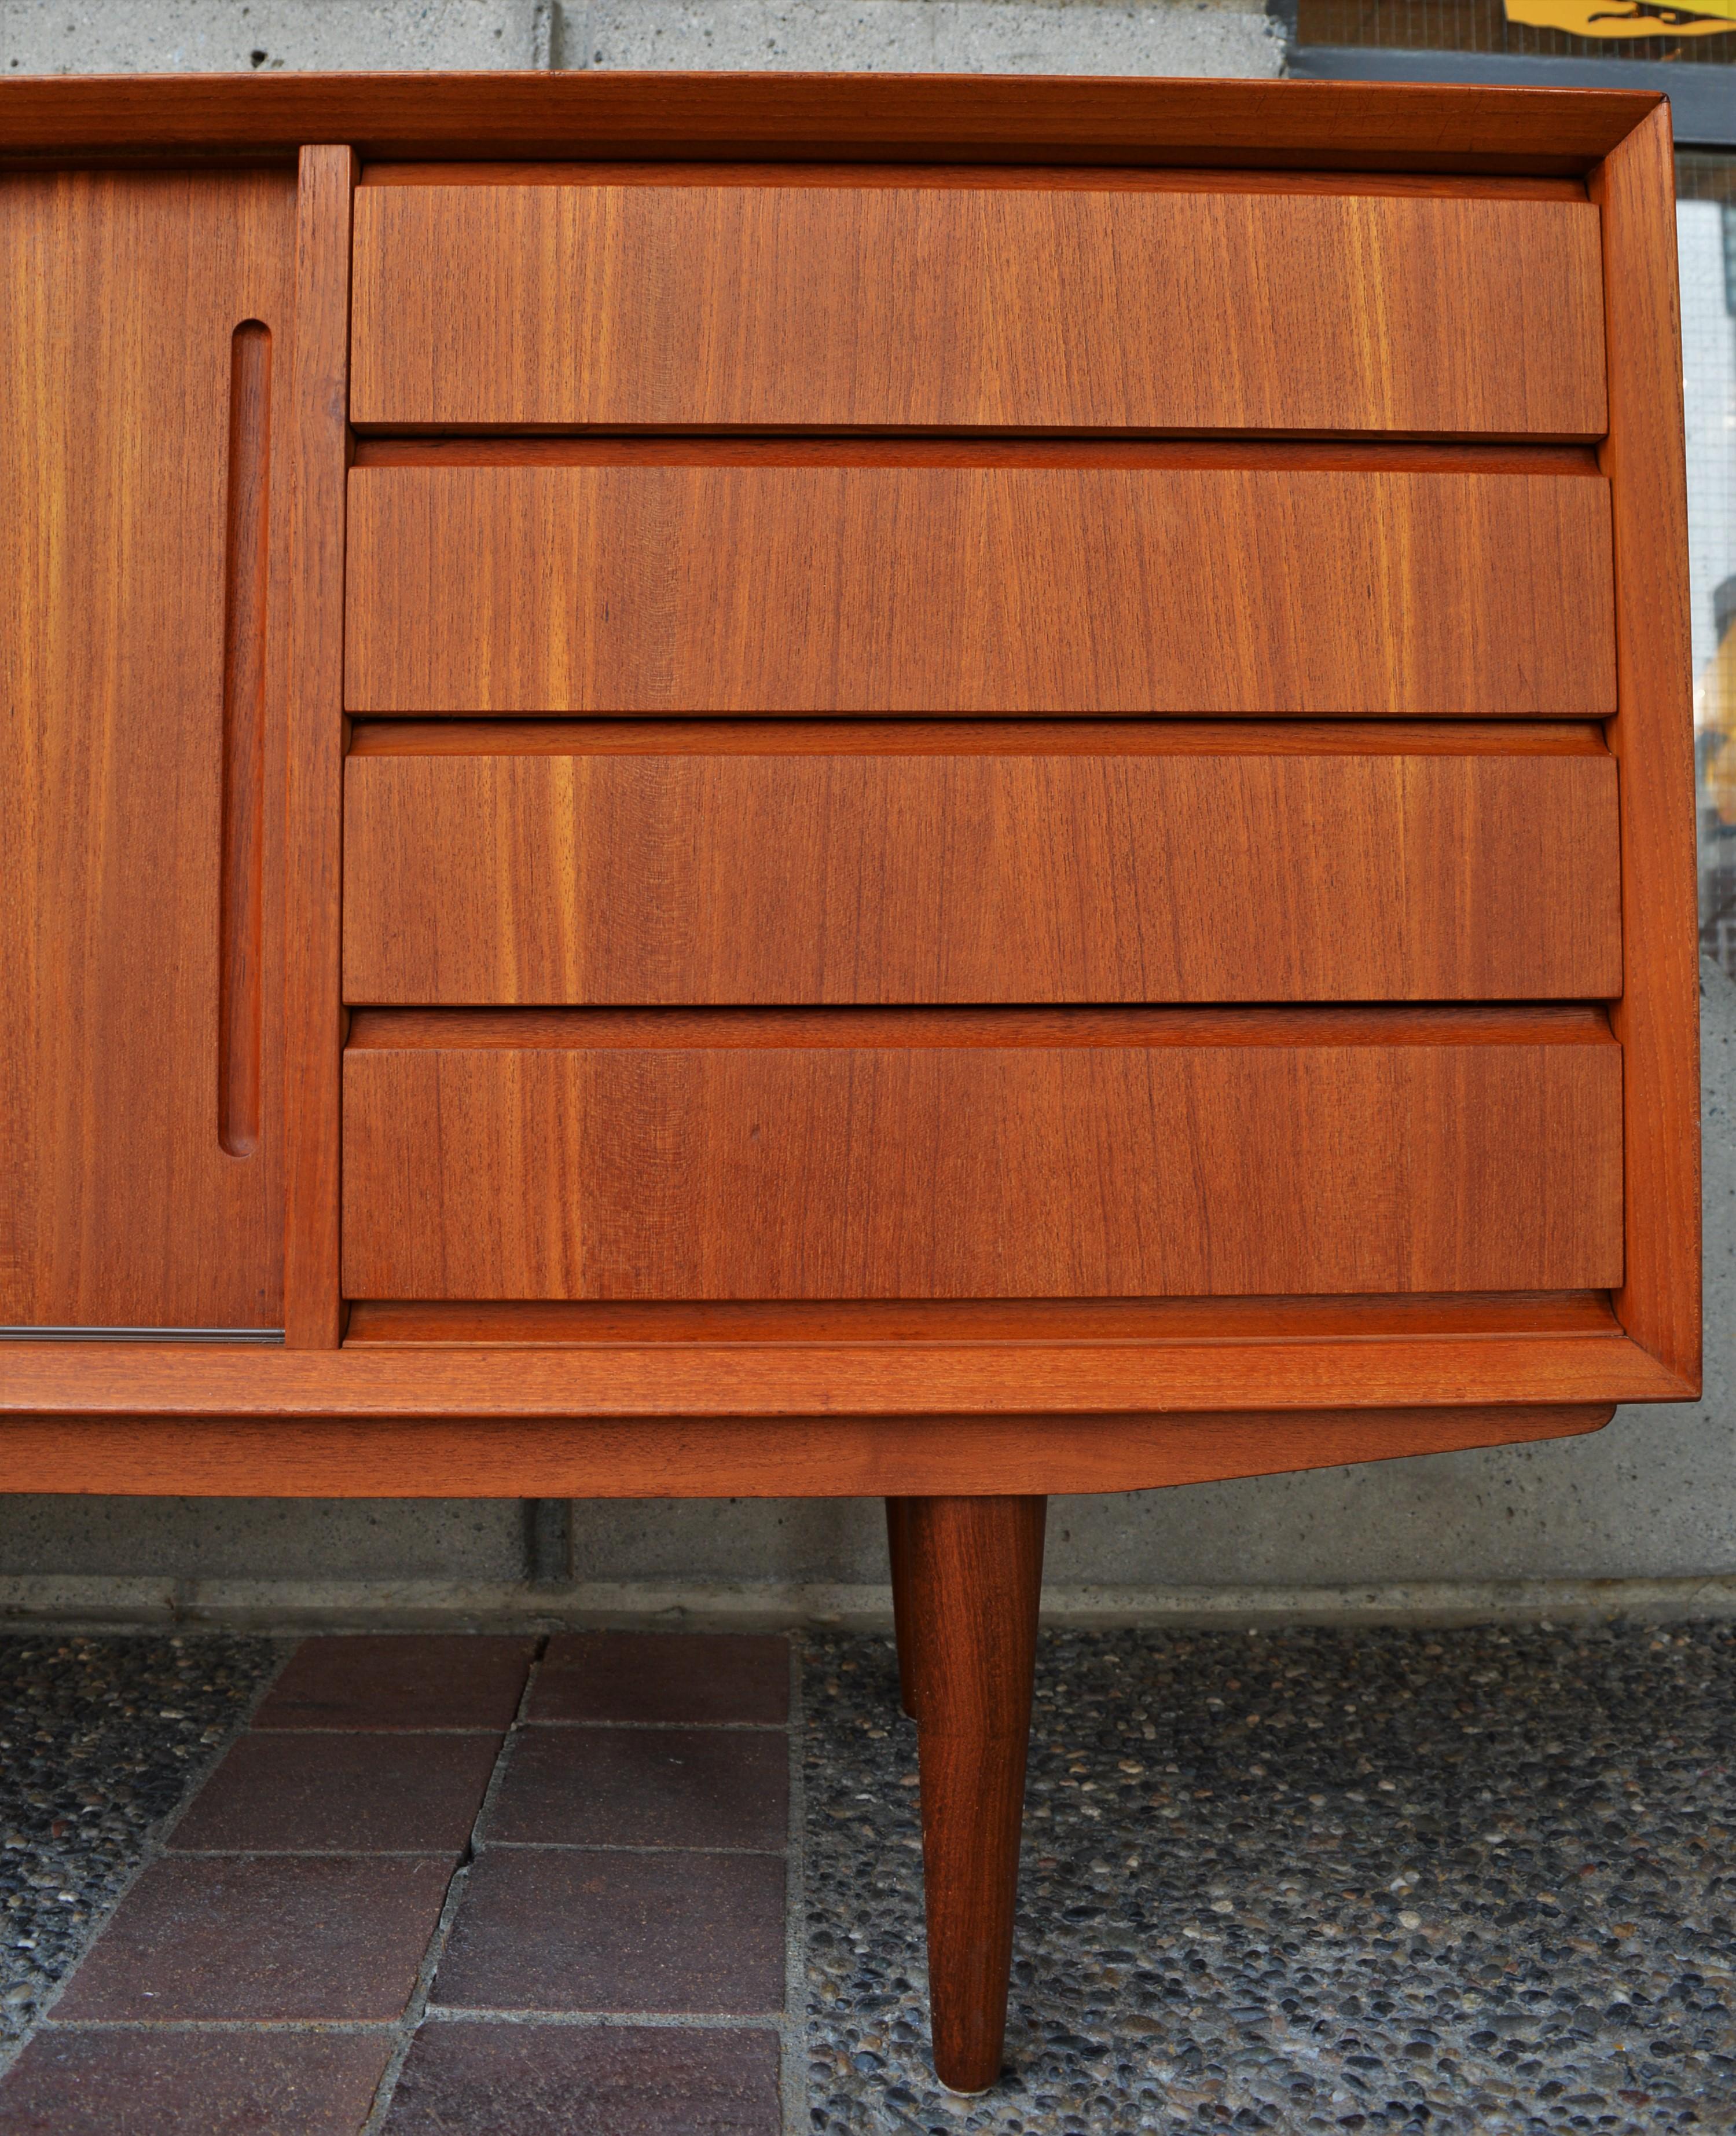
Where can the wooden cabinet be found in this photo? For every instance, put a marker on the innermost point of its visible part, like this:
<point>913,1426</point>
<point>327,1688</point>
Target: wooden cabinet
<point>962,789</point>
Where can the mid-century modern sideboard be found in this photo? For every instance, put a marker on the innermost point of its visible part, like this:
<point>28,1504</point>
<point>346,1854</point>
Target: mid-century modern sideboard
<point>946,789</point>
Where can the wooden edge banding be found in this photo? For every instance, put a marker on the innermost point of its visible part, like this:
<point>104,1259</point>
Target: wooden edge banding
<point>802,117</point>
<point>313,1015</point>
<point>1374,454</point>
<point>1657,1020</point>
<point>825,1380</point>
<point>844,737</point>
<point>376,1030</point>
<point>241,894</point>
<point>1053,177</point>
<point>737,1457</point>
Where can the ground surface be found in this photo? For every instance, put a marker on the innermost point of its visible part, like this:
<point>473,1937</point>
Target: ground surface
<point>1474,1882</point>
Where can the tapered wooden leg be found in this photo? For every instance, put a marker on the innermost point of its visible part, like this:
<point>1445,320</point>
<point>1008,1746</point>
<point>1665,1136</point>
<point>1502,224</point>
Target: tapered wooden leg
<point>898,1550</point>
<point>975,1569</point>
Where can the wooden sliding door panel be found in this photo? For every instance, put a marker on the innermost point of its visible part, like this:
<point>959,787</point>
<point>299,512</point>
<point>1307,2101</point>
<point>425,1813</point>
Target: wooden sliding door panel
<point>790,862</point>
<point>1066,300</point>
<point>934,588</point>
<point>143,354</point>
<point>1086,1154</point>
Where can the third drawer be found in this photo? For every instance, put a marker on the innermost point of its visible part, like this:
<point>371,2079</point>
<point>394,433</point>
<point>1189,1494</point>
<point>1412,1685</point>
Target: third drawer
<point>878,863</point>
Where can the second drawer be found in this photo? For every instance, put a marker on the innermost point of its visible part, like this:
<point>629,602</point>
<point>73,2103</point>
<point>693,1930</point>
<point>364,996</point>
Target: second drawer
<point>788,862</point>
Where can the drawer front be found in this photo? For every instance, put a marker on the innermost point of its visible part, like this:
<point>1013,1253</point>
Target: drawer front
<point>793,863</point>
<point>1070,303</point>
<point>1087,1154</point>
<point>1066,588</point>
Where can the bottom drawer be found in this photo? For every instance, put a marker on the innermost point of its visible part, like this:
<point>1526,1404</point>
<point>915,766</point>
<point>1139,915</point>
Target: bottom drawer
<point>990,1154</point>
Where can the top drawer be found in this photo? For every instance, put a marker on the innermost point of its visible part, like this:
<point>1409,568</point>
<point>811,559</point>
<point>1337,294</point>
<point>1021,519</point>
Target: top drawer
<point>830,298</point>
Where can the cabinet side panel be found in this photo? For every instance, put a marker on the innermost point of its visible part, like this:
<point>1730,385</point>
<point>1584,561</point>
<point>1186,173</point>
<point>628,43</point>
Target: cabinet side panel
<point>120,296</point>
<point>1657,1019</point>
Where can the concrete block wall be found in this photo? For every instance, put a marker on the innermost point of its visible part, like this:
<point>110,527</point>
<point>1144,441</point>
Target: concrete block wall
<point>1641,1515</point>
<point>969,37</point>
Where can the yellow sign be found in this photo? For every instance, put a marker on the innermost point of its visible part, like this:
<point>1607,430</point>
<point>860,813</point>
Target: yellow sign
<point>1625,18</point>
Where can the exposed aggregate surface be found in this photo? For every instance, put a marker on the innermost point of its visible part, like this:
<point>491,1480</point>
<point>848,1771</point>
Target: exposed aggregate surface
<point>99,1738</point>
<point>1476,1881</point>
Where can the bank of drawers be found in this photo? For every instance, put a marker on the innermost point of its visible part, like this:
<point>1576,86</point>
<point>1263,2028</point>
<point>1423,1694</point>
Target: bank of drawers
<point>846,864</point>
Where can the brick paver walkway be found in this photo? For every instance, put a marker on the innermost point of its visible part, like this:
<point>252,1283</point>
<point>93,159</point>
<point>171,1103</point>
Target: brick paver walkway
<point>453,1884</point>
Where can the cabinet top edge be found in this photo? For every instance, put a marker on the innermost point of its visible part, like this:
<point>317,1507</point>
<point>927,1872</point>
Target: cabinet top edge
<point>805,117</point>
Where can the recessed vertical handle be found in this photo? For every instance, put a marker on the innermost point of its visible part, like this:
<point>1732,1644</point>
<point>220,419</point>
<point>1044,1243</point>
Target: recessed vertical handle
<point>241,875</point>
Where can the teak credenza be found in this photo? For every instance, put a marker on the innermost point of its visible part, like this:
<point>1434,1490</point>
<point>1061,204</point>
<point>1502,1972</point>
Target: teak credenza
<point>947,789</point>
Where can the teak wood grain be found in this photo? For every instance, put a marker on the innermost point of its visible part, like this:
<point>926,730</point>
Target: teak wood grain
<point>309,1455</point>
<point>128,922</point>
<point>313,690</point>
<point>1657,1020</point>
<point>1049,1373</point>
<point>995,589</point>
<point>843,1154</point>
<point>716,305</point>
<point>1333,126</point>
<point>974,1576</point>
<point>957,863</point>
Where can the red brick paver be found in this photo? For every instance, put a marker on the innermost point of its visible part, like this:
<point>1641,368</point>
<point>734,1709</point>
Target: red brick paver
<point>645,1787</point>
<point>99,2080</point>
<point>661,1676</point>
<point>561,1929</point>
<point>397,1681</point>
<point>265,1937</point>
<point>571,2080</point>
<point>346,1794</point>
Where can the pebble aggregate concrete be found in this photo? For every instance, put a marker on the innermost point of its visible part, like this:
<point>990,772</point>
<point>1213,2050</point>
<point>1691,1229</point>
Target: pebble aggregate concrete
<point>1474,1881</point>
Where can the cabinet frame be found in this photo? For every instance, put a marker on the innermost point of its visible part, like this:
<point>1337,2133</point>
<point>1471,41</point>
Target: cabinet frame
<point>1040,1413</point>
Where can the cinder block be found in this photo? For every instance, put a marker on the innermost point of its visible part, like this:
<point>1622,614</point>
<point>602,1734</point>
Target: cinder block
<point>218,37</point>
<point>386,1540</point>
<point>920,36</point>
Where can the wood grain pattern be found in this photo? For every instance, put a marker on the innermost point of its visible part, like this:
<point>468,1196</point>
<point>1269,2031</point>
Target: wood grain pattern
<point>968,871</point>
<point>870,588</point>
<point>120,296</point>
<point>1335,126</point>
<point>828,1379</point>
<point>307,1455</point>
<point>1652,736</point>
<point>1130,1152</point>
<point>313,693</point>
<point>719,305</point>
<point>976,1577</point>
